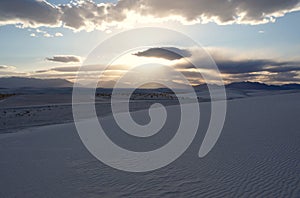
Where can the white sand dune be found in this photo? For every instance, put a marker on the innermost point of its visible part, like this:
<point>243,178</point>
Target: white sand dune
<point>257,155</point>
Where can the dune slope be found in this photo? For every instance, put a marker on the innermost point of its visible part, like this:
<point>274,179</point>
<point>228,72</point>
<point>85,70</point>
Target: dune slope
<point>257,155</point>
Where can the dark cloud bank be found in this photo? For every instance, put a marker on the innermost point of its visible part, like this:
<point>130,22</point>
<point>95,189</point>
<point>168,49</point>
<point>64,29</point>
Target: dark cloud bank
<point>90,15</point>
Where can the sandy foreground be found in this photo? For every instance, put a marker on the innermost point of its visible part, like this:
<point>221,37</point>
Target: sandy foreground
<point>257,155</point>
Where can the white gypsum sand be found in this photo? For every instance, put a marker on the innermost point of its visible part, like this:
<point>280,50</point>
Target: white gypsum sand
<point>257,155</point>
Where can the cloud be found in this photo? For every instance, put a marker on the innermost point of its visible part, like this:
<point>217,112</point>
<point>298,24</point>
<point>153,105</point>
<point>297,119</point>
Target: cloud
<point>242,66</point>
<point>58,34</point>
<point>7,70</point>
<point>230,61</point>
<point>236,67</point>
<point>43,33</point>
<point>60,69</point>
<point>233,66</point>
<point>222,12</point>
<point>29,13</point>
<point>169,53</point>
<point>7,67</point>
<point>86,68</point>
<point>65,59</point>
<point>66,69</point>
<point>47,35</point>
<point>88,15</point>
<point>250,66</point>
<point>286,77</point>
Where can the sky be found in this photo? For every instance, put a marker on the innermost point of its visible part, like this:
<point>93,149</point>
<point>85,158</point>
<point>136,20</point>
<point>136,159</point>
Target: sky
<point>249,40</point>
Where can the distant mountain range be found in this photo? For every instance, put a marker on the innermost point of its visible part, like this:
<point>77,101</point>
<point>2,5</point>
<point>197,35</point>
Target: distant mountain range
<point>252,86</point>
<point>19,82</point>
<point>22,82</point>
<point>261,86</point>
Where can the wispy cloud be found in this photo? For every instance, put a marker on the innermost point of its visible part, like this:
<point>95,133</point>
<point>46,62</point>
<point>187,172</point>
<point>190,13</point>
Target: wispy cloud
<point>7,67</point>
<point>86,68</point>
<point>65,59</point>
<point>8,70</point>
